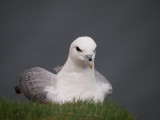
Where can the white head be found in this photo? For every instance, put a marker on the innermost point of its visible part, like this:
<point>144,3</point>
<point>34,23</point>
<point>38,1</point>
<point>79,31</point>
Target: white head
<point>82,51</point>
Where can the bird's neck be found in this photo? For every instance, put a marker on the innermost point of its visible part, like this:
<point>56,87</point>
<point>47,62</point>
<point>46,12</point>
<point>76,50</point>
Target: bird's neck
<point>78,67</point>
<point>77,74</point>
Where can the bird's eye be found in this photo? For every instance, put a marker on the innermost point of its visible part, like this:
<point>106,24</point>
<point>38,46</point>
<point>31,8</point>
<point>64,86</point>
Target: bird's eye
<point>78,49</point>
<point>94,50</point>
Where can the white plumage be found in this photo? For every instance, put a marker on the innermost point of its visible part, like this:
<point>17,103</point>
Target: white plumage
<point>77,79</point>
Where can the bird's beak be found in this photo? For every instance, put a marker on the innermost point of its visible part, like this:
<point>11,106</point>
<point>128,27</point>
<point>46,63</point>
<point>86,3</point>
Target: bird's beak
<point>89,60</point>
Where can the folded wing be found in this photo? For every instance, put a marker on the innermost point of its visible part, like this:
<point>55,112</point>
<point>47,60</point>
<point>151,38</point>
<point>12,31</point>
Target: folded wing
<point>33,82</point>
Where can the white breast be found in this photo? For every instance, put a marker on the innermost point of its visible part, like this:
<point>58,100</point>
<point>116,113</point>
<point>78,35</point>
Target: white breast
<point>78,86</point>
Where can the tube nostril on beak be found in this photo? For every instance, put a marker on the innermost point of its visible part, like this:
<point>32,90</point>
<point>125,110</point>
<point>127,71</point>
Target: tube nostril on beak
<point>90,59</point>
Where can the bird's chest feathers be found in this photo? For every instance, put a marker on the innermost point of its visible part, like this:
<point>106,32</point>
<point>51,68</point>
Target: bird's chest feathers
<point>76,83</point>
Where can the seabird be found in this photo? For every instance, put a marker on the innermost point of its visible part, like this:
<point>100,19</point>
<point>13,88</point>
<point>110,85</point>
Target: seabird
<point>77,79</point>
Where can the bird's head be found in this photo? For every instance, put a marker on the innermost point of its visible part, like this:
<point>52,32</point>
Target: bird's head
<point>83,51</point>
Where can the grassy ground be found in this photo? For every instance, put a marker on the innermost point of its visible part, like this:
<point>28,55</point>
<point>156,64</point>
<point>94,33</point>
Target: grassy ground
<point>81,110</point>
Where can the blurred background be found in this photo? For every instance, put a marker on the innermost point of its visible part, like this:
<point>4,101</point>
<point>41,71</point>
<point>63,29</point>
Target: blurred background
<point>39,33</point>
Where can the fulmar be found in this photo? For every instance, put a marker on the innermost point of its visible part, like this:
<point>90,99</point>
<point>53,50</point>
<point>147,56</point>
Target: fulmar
<point>77,79</point>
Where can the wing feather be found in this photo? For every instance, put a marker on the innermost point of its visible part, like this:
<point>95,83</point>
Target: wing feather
<point>104,83</point>
<point>33,82</point>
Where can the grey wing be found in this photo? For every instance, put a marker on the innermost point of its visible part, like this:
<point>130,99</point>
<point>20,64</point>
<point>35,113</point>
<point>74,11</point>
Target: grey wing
<point>33,82</point>
<point>104,83</point>
<point>58,69</point>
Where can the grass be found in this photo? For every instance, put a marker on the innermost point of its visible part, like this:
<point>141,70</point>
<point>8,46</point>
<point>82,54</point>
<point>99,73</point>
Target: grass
<point>80,110</point>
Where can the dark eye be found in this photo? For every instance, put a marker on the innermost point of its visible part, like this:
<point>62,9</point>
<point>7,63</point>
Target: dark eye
<point>78,49</point>
<point>94,50</point>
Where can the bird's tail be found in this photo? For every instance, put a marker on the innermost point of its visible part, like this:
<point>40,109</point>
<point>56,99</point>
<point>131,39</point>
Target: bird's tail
<point>17,89</point>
